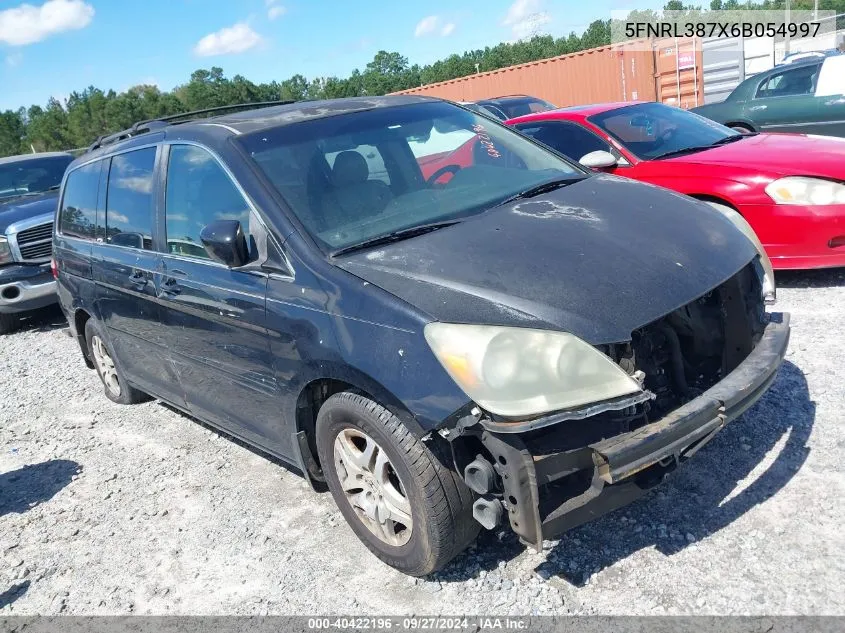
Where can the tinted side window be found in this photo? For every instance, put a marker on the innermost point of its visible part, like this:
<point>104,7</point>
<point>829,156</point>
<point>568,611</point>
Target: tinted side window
<point>129,202</point>
<point>796,81</point>
<point>570,139</point>
<point>199,192</point>
<point>78,215</point>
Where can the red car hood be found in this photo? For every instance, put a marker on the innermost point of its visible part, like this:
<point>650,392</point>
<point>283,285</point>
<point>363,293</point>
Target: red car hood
<point>781,154</point>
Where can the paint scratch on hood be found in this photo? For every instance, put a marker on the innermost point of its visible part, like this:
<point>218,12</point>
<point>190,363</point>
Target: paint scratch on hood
<point>546,209</point>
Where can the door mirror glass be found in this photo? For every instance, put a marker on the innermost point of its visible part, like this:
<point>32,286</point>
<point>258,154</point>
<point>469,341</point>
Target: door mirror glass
<point>225,242</point>
<point>598,160</point>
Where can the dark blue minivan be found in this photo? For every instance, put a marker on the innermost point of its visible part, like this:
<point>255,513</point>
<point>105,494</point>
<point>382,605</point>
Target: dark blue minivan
<point>440,320</point>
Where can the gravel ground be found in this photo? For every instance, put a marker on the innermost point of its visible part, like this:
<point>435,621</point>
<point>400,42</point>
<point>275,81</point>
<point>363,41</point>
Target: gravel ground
<point>107,509</point>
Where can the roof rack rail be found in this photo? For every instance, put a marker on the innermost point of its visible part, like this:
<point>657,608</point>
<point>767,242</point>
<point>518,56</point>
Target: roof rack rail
<point>150,125</point>
<point>236,106</point>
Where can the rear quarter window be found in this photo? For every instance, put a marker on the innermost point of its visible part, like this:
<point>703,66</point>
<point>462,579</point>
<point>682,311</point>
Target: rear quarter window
<point>78,214</point>
<point>789,83</point>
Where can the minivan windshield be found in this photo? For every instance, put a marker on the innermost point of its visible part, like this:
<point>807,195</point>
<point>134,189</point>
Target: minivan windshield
<point>365,175</point>
<point>654,130</point>
<point>32,175</point>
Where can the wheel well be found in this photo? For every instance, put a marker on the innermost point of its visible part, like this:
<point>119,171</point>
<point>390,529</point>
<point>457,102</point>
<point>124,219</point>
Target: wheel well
<point>311,398</point>
<point>80,318</point>
<point>742,124</point>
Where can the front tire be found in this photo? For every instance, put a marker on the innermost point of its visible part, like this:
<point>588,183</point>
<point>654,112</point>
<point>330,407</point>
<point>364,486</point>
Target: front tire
<point>405,504</point>
<point>115,386</point>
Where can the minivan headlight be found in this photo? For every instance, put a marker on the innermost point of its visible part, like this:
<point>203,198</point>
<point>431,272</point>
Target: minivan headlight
<point>806,191</point>
<point>769,289</point>
<point>5,251</point>
<point>513,371</point>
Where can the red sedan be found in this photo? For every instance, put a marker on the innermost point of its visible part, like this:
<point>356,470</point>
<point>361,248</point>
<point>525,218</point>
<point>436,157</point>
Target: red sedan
<point>789,187</point>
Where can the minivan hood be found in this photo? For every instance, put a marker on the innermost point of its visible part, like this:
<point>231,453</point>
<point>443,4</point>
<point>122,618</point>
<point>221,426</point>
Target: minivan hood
<point>598,258</point>
<point>778,154</point>
<point>25,207</point>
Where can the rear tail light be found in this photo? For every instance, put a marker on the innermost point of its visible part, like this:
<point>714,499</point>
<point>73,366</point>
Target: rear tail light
<point>54,268</point>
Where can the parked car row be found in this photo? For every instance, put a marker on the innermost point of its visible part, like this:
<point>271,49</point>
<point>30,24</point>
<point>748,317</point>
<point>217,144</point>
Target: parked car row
<point>448,324</point>
<point>804,93</point>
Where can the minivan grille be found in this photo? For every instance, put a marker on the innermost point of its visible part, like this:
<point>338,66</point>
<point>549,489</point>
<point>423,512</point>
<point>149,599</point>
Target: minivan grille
<point>36,243</point>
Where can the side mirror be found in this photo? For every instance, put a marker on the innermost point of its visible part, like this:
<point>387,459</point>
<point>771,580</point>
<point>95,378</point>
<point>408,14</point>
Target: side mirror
<point>599,159</point>
<point>225,242</point>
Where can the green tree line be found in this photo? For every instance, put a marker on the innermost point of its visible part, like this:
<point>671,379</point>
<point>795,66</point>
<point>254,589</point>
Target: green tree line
<point>92,112</point>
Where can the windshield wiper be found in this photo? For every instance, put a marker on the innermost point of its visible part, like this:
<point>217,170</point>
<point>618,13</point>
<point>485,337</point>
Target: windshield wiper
<point>683,150</point>
<point>37,193</point>
<point>732,138</point>
<point>701,148</point>
<point>395,236</point>
<point>543,187</point>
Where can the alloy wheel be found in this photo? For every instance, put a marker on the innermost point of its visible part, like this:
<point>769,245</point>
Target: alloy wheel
<point>372,487</point>
<point>105,365</point>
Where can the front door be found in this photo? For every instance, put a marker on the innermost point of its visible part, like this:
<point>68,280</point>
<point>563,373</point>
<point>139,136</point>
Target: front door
<point>214,316</point>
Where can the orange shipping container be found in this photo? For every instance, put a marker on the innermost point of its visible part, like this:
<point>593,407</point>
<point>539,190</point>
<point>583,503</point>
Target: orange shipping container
<point>591,76</point>
<point>679,74</point>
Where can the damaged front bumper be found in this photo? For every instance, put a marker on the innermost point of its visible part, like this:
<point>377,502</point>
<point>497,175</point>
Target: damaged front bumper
<point>615,471</point>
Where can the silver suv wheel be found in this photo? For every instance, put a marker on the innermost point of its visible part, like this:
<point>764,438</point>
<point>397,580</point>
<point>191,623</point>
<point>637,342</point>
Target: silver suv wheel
<point>372,487</point>
<point>105,365</point>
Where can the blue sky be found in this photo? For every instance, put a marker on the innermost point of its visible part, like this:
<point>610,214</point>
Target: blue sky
<point>53,47</point>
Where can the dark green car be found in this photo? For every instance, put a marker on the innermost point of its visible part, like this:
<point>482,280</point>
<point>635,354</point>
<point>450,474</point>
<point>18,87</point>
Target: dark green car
<point>806,97</point>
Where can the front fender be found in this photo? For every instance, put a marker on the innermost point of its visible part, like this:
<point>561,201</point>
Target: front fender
<point>399,369</point>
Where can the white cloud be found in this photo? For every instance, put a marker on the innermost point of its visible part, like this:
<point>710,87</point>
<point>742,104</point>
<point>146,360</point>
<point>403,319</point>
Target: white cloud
<point>276,12</point>
<point>520,10</point>
<point>230,40</point>
<point>118,217</point>
<point>525,18</point>
<point>231,215</point>
<point>274,9</point>
<point>431,25</point>
<point>27,24</point>
<point>426,26</point>
<point>14,60</point>
<point>139,184</point>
